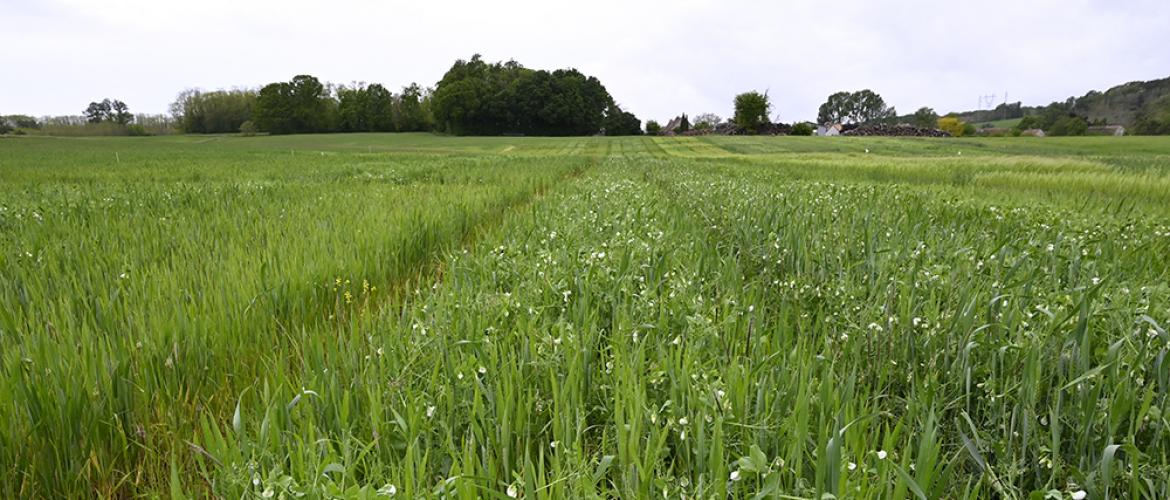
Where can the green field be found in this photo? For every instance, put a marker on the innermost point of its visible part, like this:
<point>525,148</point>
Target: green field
<point>1007,123</point>
<point>404,315</point>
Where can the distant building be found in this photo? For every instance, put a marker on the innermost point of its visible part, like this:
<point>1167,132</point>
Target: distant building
<point>1033,132</point>
<point>829,130</point>
<point>1113,130</point>
<point>671,127</point>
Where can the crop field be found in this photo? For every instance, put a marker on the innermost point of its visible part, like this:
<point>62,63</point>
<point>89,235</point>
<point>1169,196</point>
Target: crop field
<point>410,315</point>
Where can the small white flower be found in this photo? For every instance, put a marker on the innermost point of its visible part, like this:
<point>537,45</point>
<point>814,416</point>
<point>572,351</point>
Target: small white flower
<point>430,411</point>
<point>482,370</point>
<point>513,492</point>
<point>388,491</point>
<point>735,475</point>
<point>852,466</point>
<point>881,454</point>
<point>683,421</point>
<point>1079,495</point>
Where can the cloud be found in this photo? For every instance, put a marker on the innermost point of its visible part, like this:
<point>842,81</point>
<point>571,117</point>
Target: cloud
<point>659,59</point>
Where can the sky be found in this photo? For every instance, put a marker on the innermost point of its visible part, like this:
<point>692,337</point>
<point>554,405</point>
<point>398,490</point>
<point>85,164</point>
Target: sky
<point>657,59</point>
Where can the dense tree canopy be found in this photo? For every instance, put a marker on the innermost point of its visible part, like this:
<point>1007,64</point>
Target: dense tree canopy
<point>364,108</point>
<point>751,111</point>
<point>619,122</point>
<point>217,112</point>
<point>302,105</point>
<point>863,106</point>
<point>478,98</point>
<point>410,110</point>
<point>108,111</point>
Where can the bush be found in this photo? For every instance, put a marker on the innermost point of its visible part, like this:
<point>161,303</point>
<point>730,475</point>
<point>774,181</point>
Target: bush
<point>1069,126</point>
<point>136,131</point>
<point>952,124</point>
<point>248,129</point>
<point>802,129</point>
<point>653,128</point>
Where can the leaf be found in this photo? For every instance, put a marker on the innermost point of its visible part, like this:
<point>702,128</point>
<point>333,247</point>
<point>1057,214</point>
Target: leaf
<point>1086,376</point>
<point>602,468</point>
<point>910,482</point>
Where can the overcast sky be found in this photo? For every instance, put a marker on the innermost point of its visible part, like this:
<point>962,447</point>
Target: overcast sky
<point>657,59</point>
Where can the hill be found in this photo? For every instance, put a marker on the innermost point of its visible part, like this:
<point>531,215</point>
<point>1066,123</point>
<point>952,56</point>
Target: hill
<point>1141,105</point>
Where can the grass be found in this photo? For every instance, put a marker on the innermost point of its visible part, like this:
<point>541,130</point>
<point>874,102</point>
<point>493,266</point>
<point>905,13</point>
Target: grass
<point>414,315</point>
<point>1006,123</point>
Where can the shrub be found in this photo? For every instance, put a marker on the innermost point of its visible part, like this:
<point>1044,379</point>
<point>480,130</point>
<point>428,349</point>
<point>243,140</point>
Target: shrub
<point>802,129</point>
<point>653,127</point>
<point>952,124</point>
<point>248,129</point>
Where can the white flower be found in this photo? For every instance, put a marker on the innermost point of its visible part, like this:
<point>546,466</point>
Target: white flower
<point>881,454</point>
<point>388,491</point>
<point>1079,495</point>
<point>683,421</point>
<point>735,475</point>
<point>482,370</point>
<point>430,411</point>
<point>513,492</point>
<point>852,466</point>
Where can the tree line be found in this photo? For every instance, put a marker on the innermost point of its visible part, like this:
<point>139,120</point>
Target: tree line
<point>473,98</point>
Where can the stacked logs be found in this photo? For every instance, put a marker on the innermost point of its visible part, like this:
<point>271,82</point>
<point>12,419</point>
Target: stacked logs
<point>884,130</point>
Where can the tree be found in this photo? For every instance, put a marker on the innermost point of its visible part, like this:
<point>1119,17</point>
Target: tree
<point>863,106</point>
<point>925,118</point>
<point>751,111</point>
<point>952,125</point>
<point>619,122</point>
<point>217,112</point>
<point>653,127</point>
<point>410,114</point>
<point>120,113</point>
<point>477,98</point>
<point>301,105</point>
<point>835,109</point>
<point>113,111</point>
<point>684,124</point>
<point>1069,125</point>
<point>98,112</point>
<point>707,121</point>
<point>4,126</point>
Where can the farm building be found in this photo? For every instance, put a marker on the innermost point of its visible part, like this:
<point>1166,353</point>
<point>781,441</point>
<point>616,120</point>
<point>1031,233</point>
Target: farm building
<point>1033,132</point>
<point>829,130</point>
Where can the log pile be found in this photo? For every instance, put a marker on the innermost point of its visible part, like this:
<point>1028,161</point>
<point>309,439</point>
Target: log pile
<point>730,128</point>
<point>884,130</point>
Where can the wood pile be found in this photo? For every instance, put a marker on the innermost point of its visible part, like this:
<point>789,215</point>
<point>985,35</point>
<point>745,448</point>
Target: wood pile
<point>884,130</point>
<point>730,128</point>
